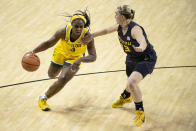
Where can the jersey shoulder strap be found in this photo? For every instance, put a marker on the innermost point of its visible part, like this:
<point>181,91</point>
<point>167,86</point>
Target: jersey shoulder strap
<point>67,32</point>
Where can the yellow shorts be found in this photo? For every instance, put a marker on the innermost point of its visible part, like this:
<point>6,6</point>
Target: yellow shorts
<point>60,59</point>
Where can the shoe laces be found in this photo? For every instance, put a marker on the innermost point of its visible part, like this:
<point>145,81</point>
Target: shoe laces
<point>138,115</point>
<point>43,102</point>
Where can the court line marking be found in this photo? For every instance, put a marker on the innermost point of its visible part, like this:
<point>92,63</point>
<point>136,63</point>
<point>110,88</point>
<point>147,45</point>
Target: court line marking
<point>166,67</point>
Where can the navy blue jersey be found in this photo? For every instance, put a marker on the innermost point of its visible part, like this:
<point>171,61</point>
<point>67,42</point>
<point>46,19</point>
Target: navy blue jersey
<point>127,41</point>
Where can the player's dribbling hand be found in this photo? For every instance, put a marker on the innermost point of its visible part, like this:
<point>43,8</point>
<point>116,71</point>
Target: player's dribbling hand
<point>30,53</point>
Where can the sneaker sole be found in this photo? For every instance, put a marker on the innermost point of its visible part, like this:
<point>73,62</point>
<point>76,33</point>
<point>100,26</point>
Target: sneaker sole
<point>47,109</point>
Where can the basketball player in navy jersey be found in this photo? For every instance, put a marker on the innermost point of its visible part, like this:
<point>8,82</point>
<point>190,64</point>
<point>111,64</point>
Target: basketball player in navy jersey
<point>140,60</point>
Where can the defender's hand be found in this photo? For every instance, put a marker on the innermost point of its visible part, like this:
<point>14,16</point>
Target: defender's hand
<point>86,39</point>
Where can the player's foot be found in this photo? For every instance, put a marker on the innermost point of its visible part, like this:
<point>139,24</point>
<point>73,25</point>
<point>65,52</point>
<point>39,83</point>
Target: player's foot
<point>43,105</point>
<point>139,118</point>
<point>120,102</point>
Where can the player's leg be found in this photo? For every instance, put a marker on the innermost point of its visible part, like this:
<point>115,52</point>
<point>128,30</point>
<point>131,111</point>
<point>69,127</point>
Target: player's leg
<point>54,70</point>
<point>125,97</point>
<point>55,67</point>
<point>65,76</point>
<point>56,64</point>
<point>132,87</point>
<point>140,71</point>
<point>133,82</point>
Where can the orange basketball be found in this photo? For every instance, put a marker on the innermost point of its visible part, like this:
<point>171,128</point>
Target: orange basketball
<point>30,62</point>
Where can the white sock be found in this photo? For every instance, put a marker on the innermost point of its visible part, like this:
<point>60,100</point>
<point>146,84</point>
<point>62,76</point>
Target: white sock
<point>43,97</point>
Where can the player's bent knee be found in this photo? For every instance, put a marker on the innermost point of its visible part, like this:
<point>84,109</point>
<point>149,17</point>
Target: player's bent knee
<point>62,80</point>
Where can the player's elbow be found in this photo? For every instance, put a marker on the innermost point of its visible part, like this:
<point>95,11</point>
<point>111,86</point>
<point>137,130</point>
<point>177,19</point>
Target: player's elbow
<point>144,47</point>
<point>94,57</point>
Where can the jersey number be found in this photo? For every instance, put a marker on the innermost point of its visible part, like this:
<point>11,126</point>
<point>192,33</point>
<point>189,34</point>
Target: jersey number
<point>126,48</point>
<point>73,49</point>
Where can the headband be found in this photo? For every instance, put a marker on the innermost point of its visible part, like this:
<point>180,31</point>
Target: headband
<point>78,17</point>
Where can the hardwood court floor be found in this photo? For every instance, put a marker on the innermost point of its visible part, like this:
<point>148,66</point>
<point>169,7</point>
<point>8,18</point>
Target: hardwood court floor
<point>85,102</point>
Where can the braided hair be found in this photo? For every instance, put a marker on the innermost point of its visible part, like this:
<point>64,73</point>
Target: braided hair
<point>126,11</point>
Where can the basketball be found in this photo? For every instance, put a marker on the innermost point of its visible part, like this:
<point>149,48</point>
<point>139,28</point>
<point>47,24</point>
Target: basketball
<point>30,62</point>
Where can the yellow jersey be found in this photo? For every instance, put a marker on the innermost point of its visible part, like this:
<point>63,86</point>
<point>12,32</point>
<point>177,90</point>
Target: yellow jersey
<point>70,51</point>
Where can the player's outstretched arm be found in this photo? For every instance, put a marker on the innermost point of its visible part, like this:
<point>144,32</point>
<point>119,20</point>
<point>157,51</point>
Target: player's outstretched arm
<point>51,42</point>
<point>105,31</point>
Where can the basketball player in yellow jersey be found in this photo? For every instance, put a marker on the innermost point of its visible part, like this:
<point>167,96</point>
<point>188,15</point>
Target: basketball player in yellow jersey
<point>68,54</point>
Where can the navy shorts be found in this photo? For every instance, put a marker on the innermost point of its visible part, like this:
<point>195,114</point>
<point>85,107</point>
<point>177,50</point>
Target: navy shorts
<point>144,66</point>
